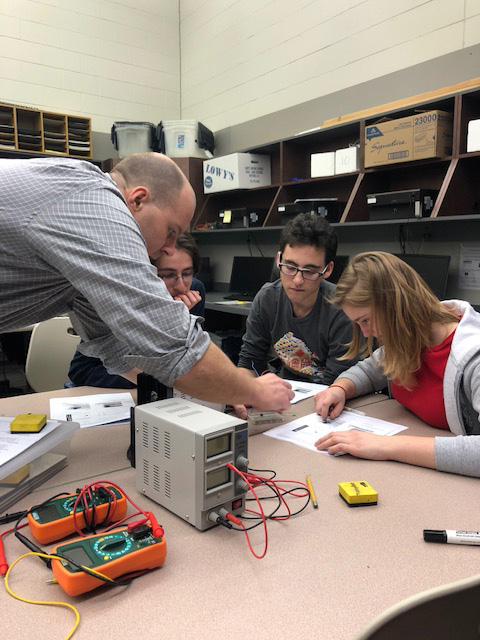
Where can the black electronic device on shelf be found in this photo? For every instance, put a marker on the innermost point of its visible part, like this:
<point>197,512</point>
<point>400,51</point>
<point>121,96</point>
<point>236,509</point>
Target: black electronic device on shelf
<point>339,265</point>
<point>432,268</point>
<point>249,274</point>
<point>242,217</point>
<point>328,208</point>
<point>409,203</point>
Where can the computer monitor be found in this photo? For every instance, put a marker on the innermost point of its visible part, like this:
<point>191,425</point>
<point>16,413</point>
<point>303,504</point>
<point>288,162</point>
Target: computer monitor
<point>339,265</point>
<point>249,274</point>
<point>433,269</point>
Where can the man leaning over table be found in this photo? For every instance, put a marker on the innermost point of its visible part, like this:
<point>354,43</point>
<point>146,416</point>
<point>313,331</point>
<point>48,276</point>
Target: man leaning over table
<point>76,240</point>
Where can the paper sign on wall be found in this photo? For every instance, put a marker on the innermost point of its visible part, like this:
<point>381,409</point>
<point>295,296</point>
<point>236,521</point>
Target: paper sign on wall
<point>469,272</point>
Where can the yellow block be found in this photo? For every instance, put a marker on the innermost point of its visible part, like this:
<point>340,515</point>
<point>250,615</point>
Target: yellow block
<point>358,494</point>
<point>28,423</point>
<point>16,477</point>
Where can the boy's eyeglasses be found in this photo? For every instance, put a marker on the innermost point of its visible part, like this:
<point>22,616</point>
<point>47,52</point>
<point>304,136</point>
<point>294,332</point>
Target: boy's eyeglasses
<point>307,274</point>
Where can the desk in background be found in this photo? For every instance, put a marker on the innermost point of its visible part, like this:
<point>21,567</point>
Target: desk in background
<point>327,572</point>
<point>214,297</point>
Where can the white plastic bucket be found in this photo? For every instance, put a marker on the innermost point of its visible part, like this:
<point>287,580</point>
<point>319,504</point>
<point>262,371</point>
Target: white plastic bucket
<point>133,137</point>
<point>181,139</point>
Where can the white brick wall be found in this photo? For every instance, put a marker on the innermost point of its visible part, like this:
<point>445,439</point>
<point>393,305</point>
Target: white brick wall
<point>240,59</point>
<point>108,59</point>
<point>243,60</point>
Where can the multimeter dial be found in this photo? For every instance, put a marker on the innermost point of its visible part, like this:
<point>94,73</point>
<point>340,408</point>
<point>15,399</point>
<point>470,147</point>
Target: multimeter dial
<point>68,505</point>
<point>112,546</point>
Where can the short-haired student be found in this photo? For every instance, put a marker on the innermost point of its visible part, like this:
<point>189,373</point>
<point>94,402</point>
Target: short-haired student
<point>292,328</point>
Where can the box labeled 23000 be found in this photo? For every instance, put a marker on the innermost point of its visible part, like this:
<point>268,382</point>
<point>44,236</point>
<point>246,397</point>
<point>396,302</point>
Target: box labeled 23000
<point>416,137</point>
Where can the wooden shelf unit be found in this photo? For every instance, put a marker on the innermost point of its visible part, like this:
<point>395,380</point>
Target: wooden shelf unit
<point>33,131</point>
<point>454,177</point>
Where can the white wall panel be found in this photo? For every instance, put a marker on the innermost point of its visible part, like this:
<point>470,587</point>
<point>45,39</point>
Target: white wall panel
<point>108,59</point>
<point>243,60</point>
<point>472,30</point>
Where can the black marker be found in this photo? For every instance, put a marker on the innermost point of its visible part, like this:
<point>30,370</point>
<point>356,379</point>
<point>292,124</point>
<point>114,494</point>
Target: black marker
<point>451,536</point>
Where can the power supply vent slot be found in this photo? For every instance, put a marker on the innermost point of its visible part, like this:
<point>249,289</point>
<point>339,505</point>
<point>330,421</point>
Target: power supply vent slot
<point>165,404</point>
<point>155,439</point>
<point>145,435</point>
<point>177,408</point>
<point>156,478</point>
<point>146,479</point>
<point>190,413</point>
<point>168,484</point>
<point>167,444</point>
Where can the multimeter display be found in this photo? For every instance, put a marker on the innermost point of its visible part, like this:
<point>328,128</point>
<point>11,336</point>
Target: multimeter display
<point>78,554</point>
<point>113,554</point>
<point>49,513</point>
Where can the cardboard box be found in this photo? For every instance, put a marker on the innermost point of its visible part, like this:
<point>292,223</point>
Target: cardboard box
<point>236,171</point>
<point>424,135</point>
<point>346,160</point>
<point>322,164</point>
<point>473,136</point>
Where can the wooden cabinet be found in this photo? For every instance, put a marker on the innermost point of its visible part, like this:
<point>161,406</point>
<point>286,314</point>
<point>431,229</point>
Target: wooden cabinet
<point>454,177</point>
<point>33,131</point>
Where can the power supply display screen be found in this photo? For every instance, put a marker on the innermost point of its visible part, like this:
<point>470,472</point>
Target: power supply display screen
<point>217,477</point>
<point>220,444</point>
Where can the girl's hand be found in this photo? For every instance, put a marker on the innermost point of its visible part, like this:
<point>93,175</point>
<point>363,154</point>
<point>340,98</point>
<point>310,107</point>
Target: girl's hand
<point>356,443</point>
<point>189,298</point>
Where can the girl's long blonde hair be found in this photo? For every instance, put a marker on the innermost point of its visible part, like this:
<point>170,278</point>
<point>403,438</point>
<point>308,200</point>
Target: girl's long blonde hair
<point>403,307</point>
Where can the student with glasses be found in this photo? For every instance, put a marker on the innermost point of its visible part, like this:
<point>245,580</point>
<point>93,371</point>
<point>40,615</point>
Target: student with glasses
<point>177,272</point>
<point>291,318</point>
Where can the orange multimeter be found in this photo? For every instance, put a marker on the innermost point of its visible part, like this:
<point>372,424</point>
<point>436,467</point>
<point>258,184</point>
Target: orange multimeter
<point>116,553</point>
<point>53,520</point>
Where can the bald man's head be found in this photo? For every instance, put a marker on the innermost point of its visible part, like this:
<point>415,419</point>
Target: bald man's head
<point>157,172</point>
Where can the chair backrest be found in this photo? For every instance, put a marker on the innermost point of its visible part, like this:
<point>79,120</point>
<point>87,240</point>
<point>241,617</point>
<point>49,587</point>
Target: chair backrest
<point>50,352</point>
<point>443,613</point>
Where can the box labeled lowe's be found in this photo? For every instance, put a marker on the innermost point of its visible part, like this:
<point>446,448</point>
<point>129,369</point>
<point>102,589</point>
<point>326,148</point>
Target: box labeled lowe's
<point>424,135</point>
<point>236,171</point>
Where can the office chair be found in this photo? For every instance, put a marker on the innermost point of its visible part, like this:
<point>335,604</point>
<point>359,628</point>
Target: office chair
<point>448,612</point>
<point>52,346</point>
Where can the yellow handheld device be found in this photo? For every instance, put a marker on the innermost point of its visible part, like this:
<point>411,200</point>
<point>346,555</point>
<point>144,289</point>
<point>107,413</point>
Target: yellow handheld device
<point>358,494</point>
<point>28,423</point>
<point>16,477</point>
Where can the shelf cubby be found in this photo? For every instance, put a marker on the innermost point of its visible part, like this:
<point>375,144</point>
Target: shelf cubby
<point>30,131</point>
<point>455,177</point>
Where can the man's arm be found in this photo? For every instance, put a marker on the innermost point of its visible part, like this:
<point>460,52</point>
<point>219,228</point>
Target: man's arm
<point>216,379</point>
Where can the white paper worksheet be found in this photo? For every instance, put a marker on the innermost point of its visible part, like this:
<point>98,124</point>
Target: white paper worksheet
<point>13,444</point>
<point>305,431</point>
<point>92,411</point>
<point>304,390</point>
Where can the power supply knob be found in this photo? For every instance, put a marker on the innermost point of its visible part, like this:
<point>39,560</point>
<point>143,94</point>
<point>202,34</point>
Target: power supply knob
<point>242,463</point>
<point>242,485</point>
